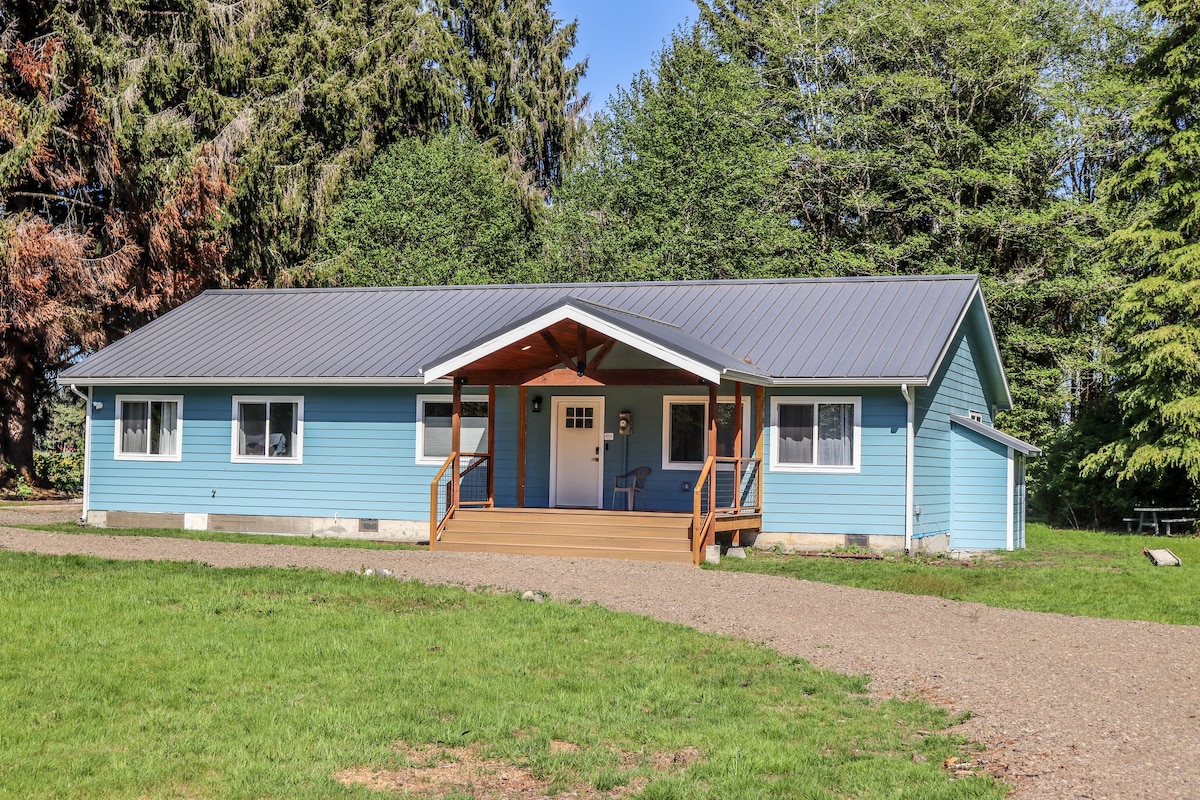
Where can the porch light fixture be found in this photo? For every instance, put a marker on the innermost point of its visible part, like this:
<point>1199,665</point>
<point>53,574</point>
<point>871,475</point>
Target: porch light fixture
<point>537,404</point>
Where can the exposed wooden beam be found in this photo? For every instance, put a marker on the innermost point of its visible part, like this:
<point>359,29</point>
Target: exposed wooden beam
<point>558,350</point>
<point>580,348</point>
<point>602,354</point>
<point>568,377</point>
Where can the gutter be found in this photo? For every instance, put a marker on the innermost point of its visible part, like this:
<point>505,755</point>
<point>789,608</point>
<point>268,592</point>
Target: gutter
<point>87,450</point>
<point>910,400</point>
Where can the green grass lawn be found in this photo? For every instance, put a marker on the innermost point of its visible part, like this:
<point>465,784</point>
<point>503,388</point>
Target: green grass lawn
<point>166,680</point>
<point>1088,573</point>
<point>221,536</point>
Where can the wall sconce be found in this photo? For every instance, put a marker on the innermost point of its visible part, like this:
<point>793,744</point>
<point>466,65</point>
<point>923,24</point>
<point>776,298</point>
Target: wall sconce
<point>96,404</point>
<point>537,404</point>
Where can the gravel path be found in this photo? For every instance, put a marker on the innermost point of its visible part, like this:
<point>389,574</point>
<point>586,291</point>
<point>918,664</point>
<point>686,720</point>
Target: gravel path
<point>1070,707</point>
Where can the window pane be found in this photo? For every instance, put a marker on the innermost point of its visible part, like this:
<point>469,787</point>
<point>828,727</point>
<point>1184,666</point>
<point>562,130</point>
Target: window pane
<point>687,432</point>
<point>283,430</point>
<point>795,426</point>
<point>438,430</point>
<point>835,434</point>
<point>164,422</point>
<point>133,427</point>
<point>252,429</point>
<point>726,425</point>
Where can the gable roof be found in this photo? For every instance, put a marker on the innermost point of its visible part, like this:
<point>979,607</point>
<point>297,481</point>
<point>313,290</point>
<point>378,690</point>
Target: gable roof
<point>871,330</point>
<point>670,343</point>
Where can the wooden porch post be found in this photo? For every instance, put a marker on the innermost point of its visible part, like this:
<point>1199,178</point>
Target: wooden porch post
<point>455,436</point>
<point>523,409</point>
<point>491,444</point>
<point>737,453</point>
<point>712,445</point>
<point>760,418</point>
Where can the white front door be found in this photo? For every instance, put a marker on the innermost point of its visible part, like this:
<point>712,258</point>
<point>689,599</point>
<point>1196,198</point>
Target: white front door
<point>577,452</point>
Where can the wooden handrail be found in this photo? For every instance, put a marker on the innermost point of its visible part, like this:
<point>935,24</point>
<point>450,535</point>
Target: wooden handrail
<point>704,520</point>
<point>436,524</point>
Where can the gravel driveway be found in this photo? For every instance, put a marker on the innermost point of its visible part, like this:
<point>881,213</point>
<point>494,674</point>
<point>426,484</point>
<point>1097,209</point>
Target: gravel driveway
<point>1069,707</point>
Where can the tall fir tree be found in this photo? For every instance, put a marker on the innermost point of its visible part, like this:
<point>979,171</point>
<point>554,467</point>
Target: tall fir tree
<point>1156,323</point>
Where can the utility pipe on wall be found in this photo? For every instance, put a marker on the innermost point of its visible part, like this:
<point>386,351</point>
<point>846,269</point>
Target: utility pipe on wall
<point>910,399</point>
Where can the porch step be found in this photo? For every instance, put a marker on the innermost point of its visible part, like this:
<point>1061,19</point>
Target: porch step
<point>567,532</point>
<point>525,549</point>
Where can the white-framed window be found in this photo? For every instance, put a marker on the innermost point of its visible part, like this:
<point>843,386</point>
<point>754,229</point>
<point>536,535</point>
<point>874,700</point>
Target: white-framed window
<point>685,430</point>
<point>268,429</point>
<point>975,415</point>
<point>816,434</point>
<point>149,427</point>
<point>434,431</point>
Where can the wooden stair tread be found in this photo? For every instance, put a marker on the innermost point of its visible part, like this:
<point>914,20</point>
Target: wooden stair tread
<point>679,556</point>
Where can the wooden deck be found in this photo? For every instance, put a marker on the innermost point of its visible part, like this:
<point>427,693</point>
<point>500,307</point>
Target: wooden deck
<point>579,533</point>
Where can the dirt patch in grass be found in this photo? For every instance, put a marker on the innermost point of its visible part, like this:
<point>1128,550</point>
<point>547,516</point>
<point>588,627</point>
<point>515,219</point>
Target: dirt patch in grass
<point>439,772</point>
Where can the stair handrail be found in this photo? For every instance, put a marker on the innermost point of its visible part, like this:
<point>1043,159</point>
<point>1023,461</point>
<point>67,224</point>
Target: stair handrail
<point>438,523</point>
<point>704,520</point>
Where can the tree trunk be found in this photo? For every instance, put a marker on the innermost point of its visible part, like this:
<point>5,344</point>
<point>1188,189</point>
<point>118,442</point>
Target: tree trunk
<point>16,406</point>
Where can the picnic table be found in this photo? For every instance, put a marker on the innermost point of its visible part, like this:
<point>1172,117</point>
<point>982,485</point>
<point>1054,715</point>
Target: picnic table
<point>1148,518</point>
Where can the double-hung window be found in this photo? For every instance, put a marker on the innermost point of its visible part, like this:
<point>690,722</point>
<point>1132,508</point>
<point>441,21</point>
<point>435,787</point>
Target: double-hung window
<point>268,429</point>
<point>685,430</point>
<point>816,434</point>
<point>434,427</point>
<point>149,428</point>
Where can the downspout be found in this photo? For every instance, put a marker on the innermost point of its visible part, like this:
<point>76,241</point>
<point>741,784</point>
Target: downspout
<point>908,467</point>
<point>87,450</point>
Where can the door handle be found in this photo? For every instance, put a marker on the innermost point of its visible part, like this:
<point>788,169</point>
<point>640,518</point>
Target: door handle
<point>597,458</point>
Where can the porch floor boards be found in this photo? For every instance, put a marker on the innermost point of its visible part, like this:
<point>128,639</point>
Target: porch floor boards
<point>583,533</point>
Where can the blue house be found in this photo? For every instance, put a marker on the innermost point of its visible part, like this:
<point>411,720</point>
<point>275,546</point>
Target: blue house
<point>635,420</point>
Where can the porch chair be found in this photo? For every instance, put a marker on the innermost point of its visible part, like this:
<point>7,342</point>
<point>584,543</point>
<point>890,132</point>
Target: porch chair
<point>631,484</point>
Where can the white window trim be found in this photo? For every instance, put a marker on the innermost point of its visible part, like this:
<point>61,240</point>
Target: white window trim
<point>297,445</point>
<point>422,399</point>
<point>120,455</point>
<point>700,400</point>
<point>975,415</point>
<point>816,400</point>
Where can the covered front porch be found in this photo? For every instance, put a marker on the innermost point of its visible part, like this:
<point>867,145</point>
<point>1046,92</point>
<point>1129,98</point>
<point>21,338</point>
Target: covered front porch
<point>577,371</point>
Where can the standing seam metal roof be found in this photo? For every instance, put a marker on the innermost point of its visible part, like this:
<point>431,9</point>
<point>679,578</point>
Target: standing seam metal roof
<point>875,329</point>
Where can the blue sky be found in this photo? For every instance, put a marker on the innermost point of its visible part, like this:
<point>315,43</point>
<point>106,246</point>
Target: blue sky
<point>619,37</point>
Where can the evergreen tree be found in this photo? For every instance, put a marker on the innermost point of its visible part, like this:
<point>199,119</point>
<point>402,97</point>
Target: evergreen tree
<point>795,137</point>
<point>428,213</point>
<point>1156,324</point>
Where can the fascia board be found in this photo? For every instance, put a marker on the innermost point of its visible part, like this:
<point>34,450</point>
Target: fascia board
<point>851,381</point>
<point>976,294</point>
<point>574,314</point>
<point>296,380</point>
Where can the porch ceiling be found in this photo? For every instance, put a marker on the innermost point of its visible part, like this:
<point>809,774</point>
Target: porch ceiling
<point>535,352</point>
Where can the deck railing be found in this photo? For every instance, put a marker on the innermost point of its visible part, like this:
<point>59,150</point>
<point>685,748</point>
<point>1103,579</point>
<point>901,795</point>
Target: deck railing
<point>464,481</point>
<point>726,485</point>
<point>704,508</point>
<point>739,484</point>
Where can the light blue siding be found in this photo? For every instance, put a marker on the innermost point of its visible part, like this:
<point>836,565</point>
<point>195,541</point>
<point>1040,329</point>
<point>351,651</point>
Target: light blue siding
<point>359,454</point>
<point>359,459</point>
<point>979,519</point>
<point>958,388</point>
<point>870,501</point>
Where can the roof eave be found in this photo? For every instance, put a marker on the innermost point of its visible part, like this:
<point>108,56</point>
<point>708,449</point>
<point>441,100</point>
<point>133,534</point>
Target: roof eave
<point>220,380</point>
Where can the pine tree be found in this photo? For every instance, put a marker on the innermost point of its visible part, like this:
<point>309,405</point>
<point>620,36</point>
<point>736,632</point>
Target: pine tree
<point>1156,324</point>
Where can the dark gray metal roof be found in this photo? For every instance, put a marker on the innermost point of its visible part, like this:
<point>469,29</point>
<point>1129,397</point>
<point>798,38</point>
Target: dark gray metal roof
<point>997,436</point>
<point>837,329</point>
